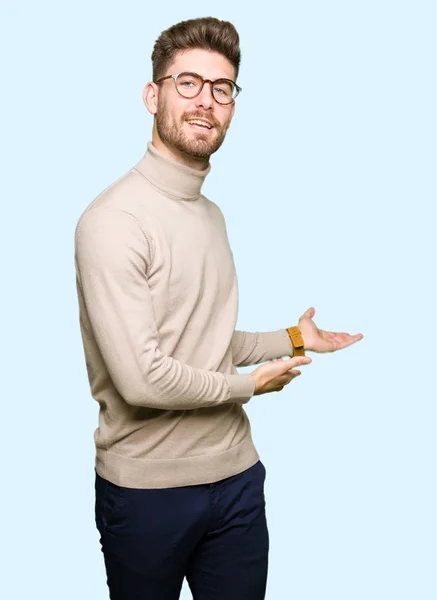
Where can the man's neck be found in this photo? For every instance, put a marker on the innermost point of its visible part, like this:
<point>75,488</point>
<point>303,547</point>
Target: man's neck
<point>200,164</point>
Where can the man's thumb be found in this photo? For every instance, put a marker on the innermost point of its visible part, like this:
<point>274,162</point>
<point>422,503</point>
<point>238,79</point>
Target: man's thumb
<point>287,364</point>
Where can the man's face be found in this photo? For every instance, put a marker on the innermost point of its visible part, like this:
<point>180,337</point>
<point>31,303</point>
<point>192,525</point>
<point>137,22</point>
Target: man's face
<point>174,111</point>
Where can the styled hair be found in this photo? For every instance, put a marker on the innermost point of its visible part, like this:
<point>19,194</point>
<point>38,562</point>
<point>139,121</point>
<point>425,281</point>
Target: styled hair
<point>206,33</point>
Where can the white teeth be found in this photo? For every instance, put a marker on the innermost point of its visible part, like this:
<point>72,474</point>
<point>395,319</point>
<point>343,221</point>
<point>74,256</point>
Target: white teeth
<point>194,122</point>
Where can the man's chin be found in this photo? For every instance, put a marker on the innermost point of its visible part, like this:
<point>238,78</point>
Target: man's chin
<point>200,148</point>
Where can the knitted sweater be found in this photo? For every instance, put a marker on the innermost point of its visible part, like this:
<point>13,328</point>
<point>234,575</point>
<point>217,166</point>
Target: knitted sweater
<point>158,301</point>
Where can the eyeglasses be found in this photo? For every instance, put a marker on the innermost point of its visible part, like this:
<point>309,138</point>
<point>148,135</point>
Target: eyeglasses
<point>189,85</point>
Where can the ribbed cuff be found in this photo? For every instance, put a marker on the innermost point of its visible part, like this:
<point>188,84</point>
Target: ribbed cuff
<point>277,344</point>
<point>242,387</point>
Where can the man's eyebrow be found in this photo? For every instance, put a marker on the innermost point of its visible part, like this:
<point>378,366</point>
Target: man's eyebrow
<point>203,76</point>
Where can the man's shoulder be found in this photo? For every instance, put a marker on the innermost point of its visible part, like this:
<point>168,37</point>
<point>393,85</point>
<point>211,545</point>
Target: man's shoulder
<point>214,208</point>
<point>125,194</point>
<point>118,194</point>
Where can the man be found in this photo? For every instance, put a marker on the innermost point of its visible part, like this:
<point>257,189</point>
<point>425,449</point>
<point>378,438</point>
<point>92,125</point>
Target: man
<point>179,484</point>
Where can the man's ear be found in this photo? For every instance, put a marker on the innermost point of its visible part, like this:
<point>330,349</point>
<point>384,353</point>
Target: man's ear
<point>150,97</point>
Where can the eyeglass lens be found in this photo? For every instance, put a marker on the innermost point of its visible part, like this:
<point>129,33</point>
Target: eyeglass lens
<point>189,84</point>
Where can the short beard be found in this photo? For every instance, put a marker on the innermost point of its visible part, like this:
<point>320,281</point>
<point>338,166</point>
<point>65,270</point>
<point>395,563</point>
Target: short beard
<point>173,136</point>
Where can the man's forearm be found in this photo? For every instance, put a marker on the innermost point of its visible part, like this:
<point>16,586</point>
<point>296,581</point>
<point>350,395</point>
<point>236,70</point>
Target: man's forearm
<point>251,348</point>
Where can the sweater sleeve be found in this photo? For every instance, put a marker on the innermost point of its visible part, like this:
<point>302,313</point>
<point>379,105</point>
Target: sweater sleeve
<point>112,255</point>
<point>253,348</point>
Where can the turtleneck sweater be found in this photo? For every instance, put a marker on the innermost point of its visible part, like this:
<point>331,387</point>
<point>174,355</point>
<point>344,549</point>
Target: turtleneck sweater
<point>158,301</point>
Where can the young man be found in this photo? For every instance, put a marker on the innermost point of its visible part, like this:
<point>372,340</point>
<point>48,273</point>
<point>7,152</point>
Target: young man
<point>179,484</point>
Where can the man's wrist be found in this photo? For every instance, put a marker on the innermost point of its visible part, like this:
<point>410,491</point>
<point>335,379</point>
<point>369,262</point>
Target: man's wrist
<point>296,340</point>
<point>242,387</point>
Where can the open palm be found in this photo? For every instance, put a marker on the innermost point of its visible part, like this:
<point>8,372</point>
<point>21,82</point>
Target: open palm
<point>319,340</point>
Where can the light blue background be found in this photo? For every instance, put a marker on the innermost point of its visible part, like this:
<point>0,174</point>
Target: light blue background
<point>328,186</point>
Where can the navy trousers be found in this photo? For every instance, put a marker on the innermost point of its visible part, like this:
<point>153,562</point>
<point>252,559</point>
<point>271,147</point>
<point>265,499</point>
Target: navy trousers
<point>214,534</point>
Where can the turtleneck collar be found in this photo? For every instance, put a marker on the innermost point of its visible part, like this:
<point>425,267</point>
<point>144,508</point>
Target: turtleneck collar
<point>171,177</point>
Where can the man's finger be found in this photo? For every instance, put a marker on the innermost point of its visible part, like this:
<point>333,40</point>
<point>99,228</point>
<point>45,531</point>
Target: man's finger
<point>296,361</point>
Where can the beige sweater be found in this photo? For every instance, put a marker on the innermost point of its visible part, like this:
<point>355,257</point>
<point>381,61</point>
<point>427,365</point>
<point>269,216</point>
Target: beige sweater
<point>158,301</point>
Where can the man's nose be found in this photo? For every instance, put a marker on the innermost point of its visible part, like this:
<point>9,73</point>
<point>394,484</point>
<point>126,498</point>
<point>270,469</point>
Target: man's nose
<point>205,98</point>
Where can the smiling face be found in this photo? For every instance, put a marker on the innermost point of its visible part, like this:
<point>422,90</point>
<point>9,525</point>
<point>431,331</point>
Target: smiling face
<point>175,132</point>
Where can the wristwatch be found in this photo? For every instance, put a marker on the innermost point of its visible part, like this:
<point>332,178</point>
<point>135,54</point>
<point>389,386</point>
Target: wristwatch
<point>296,340</point>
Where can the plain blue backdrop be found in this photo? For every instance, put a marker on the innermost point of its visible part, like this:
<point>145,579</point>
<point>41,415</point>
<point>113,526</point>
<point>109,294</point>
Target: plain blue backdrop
<point>327,181</point>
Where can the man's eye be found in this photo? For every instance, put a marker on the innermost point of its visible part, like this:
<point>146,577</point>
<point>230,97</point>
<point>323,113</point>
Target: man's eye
<point>221,90</point>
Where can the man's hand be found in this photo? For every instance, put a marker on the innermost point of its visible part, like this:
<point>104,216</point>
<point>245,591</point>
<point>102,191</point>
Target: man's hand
<point>274,375</point>
<point>319,340</point>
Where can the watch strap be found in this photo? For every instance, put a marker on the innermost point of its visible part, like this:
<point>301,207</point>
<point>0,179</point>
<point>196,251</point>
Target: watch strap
<point>296,340</point>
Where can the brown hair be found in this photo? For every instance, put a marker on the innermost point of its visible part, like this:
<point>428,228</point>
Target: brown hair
<point>206,33</point>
